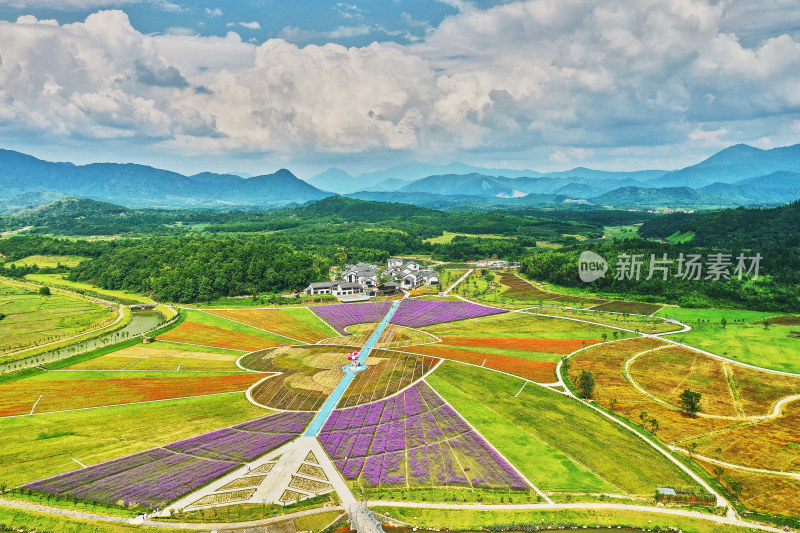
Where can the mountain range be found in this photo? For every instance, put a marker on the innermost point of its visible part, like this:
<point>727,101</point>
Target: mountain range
<point>738,175</point>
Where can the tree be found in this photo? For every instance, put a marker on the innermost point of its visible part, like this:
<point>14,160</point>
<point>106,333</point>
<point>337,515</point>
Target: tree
<point>653,425</point>
<point>44,291</point>
<point>605,337</point>
<point>689,401</point>
<point>612,404</point>
<point>718,471</point>
<point>586,384</point>
<point>643,416</point>
<point>734,486</point>
<point>723,322</point>
<point>766,325</point>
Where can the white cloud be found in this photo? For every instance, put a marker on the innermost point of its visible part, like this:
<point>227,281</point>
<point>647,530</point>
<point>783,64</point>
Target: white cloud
<point>216,12</point>
<point>570,78</point>
<point>251,25</point>
<point>712,137</point>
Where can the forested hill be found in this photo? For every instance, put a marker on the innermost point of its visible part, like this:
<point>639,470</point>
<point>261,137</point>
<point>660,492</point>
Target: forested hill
<point>753,229</point>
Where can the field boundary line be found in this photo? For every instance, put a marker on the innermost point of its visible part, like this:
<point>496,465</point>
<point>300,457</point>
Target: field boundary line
<point>218,347</point>
<point>487,441</point>
<point>123,404</point>
<point>130,364</point>
<point>254,327</point>
<point>588,506</point>
<point>794,475</point>
<point>80,463</point>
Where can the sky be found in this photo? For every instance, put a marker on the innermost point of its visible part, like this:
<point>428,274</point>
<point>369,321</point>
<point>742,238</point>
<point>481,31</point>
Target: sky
<point>256,85</point>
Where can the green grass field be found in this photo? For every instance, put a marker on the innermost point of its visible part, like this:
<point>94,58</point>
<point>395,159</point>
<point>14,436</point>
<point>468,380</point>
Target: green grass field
<point>448,237</point>
<point>621,232</point>
<point>468,520</point>
<point>32,319</point>
<point>19,520</point>
<point>559,444</point>
<point>743,339</point>
<point>309,318</point>
<point>689,316</point>
<point>522,326</point>
<point>679,238</point>
<point>43,261</point>
<point>44,445</point>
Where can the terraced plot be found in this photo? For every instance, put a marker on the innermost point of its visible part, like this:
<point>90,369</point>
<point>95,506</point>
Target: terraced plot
<point>164,355</point>
<point>63,390</point>
<point>520,289</point>
<point>413,439</point>
<point>296,323</point>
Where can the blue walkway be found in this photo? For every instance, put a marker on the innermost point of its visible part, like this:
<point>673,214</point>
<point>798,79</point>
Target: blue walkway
<point>330,404</point>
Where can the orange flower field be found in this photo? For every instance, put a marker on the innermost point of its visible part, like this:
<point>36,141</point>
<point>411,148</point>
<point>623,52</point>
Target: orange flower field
<point>513,343</point>
<point>539,371</point>
<point>59,394</point>
<point>196,333</point>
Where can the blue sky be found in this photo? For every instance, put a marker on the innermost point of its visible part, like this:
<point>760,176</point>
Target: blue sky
<point>252,86</point>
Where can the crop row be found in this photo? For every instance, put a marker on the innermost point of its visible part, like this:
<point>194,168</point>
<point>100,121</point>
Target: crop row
<point>414,432</point>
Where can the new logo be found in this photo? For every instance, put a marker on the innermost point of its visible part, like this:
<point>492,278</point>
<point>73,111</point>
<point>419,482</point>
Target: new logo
<point>591,267</point>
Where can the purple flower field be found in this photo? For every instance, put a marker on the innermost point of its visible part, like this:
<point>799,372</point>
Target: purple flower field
<point>342,315</point>
<point>161,475</point>
<point>412,313</point>
<point>414,432</point>
<point>418,313</point>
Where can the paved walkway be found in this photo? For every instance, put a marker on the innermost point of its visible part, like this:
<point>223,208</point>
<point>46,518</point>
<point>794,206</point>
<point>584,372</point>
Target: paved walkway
<point>454,285</point>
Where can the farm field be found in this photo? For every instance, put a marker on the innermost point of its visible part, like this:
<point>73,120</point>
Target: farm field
<point>520,325</point>
<point>588,452</point>
<point>32,319</point>
<point>769,444</point>
<point>765,493</point>
<point>539,371</point>
<point>308,374</point>
<point>465,520</point>
<point>632,323</point>
<point>56,391</point>
<point>160,475</point>
<point>55,280</point>
<point>523,291</point>
<point>292,323</point>
<point>606,362</point>
<point>747,343</point>
<point>47,444</point>
<point>728,389</point>
<point>205,329</point>
<point>392,337</point>
<point>636,308</point>
<point>413,439</point>
<point>44,261</point>
<point>164,355</point>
